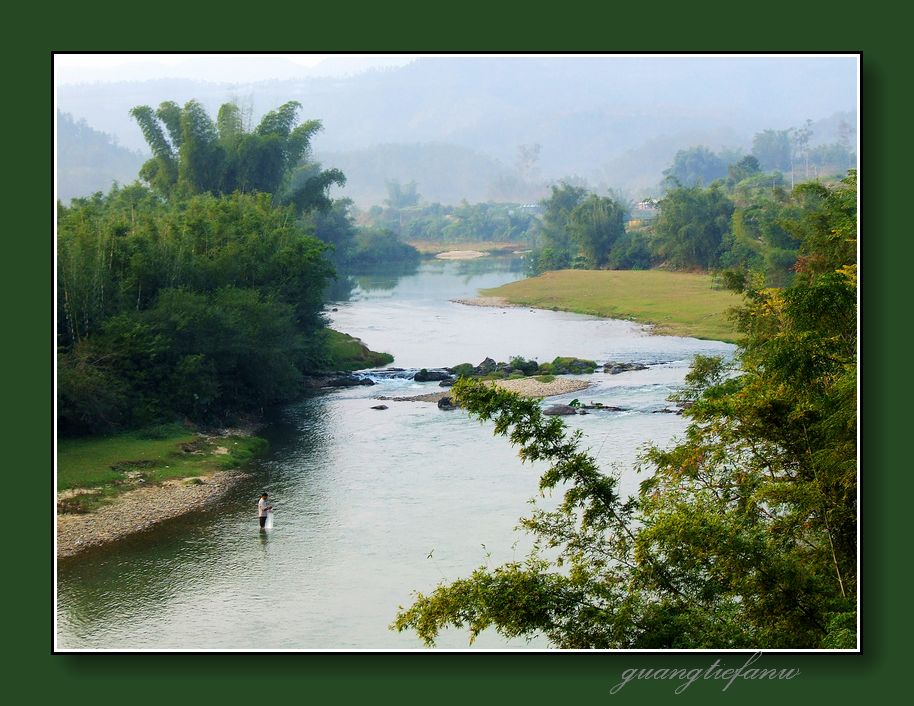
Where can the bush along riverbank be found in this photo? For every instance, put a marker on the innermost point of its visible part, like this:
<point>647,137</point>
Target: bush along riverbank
<point>109,487</point>
<point>347,353</point>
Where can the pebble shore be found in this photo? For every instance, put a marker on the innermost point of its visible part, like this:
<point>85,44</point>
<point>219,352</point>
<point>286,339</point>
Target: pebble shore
<point>140,509</point>
<point>528,387</point>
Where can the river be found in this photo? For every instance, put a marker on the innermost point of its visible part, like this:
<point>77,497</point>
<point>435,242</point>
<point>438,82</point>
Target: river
<point>373,505</point>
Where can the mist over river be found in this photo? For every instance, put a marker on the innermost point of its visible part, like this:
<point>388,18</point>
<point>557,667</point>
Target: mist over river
<point>373,505</point>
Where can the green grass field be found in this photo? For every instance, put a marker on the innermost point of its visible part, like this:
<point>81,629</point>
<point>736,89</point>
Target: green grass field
<point>676,303</point>
<point>114,464</point>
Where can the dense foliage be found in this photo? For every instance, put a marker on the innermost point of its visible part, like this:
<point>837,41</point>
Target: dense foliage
<point>719,211</point>
<point>596,224</point>
<point>745,222</point>
<point>379,246</point>
<point>435,222</point>
<point>697,166</point>
<point>195,307</point>
<point>743,534</point>
<point>691,226</point>
<point>194,154</point>
<point>200,295</point>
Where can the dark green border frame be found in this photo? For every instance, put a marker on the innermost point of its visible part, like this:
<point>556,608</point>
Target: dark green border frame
<point>33,33</point>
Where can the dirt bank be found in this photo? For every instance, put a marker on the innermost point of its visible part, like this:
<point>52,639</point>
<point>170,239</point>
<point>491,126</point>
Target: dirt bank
<point>460,255</point>
<point>140,509</point>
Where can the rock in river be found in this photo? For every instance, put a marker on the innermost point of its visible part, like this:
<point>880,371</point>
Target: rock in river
<point>616,368</point>
<point>485,367</point>
<point>559,410</point>
<point>425,375</point>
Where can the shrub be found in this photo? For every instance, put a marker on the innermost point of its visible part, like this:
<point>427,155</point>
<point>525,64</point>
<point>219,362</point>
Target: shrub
<point>463,369</point>
<point>527,367</point>
<point>572,366</point>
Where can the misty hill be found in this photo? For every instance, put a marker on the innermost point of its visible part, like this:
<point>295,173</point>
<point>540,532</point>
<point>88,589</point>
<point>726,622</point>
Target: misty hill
<point>444,173</point>
<point>89,160</point>
<point>592,116</point>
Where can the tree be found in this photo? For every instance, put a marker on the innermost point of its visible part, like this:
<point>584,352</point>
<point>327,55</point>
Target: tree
<point>697,166</point>
<point>744,533</point>
<point>380,246</point>
<point>336,228</point>
<point>160,172</point>
<point>691,226</point>
<point>833,156</point>
<point>596,224</point>
<point>154,297</point>
<point>309,186</point>
<point>630,252</point>
<point>401,196</point>
<point>827,227</point>
<point>801,137</point>
<point>558,247</point>
<point>772,148</point>
<point>847,136</point>
<point>743,169</point>
<point>192,154</point>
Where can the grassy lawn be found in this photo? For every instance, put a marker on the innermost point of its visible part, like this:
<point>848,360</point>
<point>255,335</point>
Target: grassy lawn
<point>677,303</point>
<point>114,464</point>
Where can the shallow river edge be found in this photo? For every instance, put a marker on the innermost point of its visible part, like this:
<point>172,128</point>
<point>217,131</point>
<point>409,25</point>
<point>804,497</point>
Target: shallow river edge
<point>143,507</point>
<point>139,510</point>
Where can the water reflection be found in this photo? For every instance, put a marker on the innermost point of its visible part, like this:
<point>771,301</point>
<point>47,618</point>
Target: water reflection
<point>340,288</point>
<point>387,277</point>
<point>483,265</point>
<point>383,277</point>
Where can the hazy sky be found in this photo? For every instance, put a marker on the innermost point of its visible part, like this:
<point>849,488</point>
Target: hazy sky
<point>220,68</point>
<point>617,119</point>
<point>71,68</point>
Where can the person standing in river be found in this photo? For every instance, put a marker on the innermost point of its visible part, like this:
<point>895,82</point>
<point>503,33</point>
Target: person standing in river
<point>263,509</point>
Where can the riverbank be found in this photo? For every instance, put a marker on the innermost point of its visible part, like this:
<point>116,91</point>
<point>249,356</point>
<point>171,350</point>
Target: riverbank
<point>672,303</point>
<point>345,352</point>
<point>460,255</point>
<point>429,248</point>
<point>140,509</point>
<point>109,487</point>
<point>499,302</point>
<point>528,387</point>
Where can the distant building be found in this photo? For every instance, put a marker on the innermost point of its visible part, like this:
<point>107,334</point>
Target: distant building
<point>649,204</point>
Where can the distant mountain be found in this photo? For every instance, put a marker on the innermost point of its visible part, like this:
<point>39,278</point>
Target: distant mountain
<point>639,171</point>
<point>89,160</point>
<point>589,115</point>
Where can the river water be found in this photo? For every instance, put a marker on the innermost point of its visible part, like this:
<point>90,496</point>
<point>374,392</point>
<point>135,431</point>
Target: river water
<point>373,505</point>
